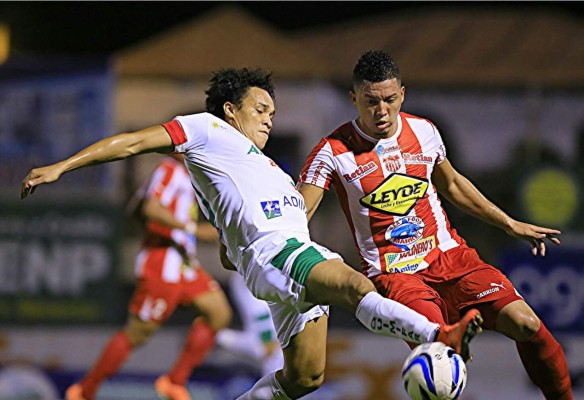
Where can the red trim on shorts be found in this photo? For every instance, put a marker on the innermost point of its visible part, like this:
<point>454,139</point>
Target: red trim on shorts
<point>176,132</point>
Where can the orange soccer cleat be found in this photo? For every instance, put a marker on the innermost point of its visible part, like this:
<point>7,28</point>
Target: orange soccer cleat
<point>75,392</point>
<point>459,335</point>
<point>167,390</point>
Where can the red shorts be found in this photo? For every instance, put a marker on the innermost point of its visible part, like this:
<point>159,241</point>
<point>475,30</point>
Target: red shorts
<point>155,301</point>
<point>456,281</point>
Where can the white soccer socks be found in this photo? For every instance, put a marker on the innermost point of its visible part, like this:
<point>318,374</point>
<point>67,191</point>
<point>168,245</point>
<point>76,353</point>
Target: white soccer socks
<point>267,388</point>
<point>390,318</point>
<point>242,343</point>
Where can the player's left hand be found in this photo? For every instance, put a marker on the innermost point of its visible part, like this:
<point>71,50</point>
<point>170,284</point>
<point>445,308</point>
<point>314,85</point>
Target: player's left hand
<point>535,235</point>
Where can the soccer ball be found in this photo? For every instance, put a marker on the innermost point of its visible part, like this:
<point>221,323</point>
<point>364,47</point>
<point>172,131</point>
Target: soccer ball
<point>434,371</point>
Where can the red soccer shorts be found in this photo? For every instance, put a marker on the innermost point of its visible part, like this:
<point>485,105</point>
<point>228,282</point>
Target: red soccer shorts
<point>155,301</point>
<point>456,281</point>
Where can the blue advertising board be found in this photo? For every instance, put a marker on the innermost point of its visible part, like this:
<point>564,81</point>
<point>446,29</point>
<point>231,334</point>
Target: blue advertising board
<point>552,285</point>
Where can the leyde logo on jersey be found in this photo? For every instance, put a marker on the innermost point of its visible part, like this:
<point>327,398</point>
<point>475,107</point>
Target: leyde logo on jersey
<point>271,209</point>
<point>396,195</point>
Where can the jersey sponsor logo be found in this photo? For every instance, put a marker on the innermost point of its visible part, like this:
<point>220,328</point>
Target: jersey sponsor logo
<point>495,287</point>
<point>396,195</point>
<point>405,231</point>
<point>381,151</point>
<point>293,201</point>
<point>253,150</point>
<point>271,209</point>
<point>315,175</point>
<point>216,125</point>
<point>360,172</point>
<point>409,261</point>
<point>409,267</point>
<point>417,158</point>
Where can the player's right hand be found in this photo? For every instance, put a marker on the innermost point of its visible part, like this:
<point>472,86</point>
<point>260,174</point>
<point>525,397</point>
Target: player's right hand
<point>38,176</point>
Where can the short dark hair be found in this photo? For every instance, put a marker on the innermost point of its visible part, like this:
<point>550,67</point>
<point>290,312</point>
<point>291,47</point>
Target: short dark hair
<point>231,85</point>
<point>375,66</point>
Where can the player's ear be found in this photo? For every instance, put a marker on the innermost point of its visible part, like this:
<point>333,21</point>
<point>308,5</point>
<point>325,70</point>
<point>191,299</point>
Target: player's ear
<point>353,96</point>
<point>228,109</point>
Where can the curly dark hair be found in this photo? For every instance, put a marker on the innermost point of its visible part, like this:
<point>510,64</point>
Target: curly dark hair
<point>375,66</point>
<point>231,85</point>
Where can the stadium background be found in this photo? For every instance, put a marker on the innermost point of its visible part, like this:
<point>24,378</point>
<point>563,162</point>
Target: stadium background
<point>503,81</point>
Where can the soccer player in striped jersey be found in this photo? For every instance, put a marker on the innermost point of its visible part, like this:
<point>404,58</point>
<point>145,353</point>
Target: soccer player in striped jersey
<point>263,229</point>
<point>387,168</point>
<point>168,275</point>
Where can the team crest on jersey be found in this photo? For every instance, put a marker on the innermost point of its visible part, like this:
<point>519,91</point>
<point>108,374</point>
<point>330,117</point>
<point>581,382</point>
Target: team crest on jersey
<point>392,163</point>
<point>396,195</point>
<point>271,209</point>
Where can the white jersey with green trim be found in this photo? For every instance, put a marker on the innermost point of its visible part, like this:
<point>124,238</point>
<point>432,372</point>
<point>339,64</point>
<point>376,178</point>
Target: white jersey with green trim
<point>242,192</point>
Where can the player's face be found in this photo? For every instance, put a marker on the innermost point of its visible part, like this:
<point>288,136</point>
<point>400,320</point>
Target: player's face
<point>378,104</point>
<point>254,117</point>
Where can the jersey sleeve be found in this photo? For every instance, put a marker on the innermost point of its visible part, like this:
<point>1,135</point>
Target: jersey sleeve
<point>189,132</point>
<point>440,148</point>
<point>319,166</point>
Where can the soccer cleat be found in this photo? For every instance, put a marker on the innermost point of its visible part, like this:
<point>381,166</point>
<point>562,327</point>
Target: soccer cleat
<point>459,335</point>
<point>75,392</point>
<point>167,390</point>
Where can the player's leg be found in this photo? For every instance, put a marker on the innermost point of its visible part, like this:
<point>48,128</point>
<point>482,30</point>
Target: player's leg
<point>206,296</point>
<point>334,282</point>
<point>304,355</point>
<point>150,306</point>
<point>542,356</point>
<point>257,340</point>
<point>487,289</point>
<point>411,291</point>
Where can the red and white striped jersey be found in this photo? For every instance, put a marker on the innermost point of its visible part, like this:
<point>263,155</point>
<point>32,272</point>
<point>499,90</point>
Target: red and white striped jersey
<point>385,191</point>
<point>168,253</point>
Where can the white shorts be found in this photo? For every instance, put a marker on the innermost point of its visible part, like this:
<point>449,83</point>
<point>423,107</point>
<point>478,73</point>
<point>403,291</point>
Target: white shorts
<point>275,269</point>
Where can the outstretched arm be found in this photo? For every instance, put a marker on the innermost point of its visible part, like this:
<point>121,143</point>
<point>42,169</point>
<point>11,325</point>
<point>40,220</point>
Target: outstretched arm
<point>123,145</point>
<point>312,197</point>
<point>464,195</point>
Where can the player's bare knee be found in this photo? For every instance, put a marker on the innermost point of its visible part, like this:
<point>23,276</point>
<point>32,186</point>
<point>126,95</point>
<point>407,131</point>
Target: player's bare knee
<point>527,327</point>
<point>138,337</point>
<point>307,383</point>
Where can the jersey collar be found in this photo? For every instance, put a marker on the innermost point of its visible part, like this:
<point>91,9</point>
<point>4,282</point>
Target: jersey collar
<point>370,139</point>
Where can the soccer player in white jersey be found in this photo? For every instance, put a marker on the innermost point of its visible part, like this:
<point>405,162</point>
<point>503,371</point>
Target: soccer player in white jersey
<point>386,167</point>
<point>263,228</point>
<point>168,275</point>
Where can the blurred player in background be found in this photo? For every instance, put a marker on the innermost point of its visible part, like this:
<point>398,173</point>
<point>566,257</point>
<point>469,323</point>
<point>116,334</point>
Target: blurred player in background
<point>257,341</point>
<point>264,231</point>
<point>168,275</point>
<point>386,168</point>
